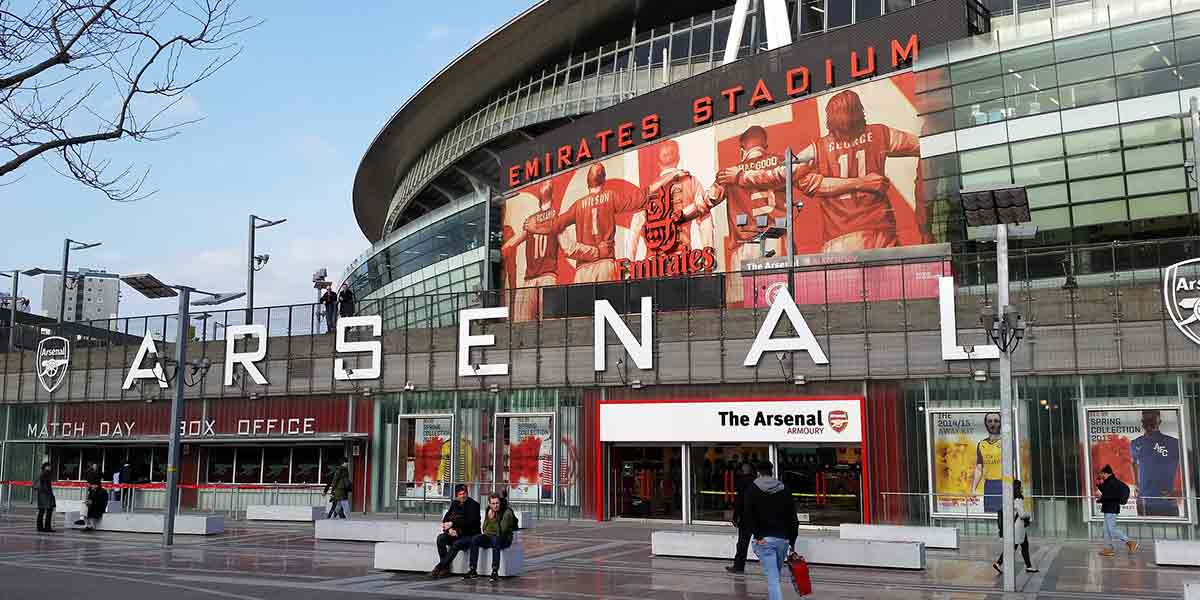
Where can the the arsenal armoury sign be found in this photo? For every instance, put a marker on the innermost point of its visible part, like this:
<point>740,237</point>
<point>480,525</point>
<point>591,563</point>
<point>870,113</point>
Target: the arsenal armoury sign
<point>53,360</point>
<point>784,420</point>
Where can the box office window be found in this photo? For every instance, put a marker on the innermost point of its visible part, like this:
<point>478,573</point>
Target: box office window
<point>220,466</point>
<point>69,464</point>
<point>306,465</point>
<point>277,465</point>
<point>248,465</point>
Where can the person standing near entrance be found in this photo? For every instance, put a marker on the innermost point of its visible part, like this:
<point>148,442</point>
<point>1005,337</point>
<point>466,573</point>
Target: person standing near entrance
<point>1113,494</point>
<point>744,480</point>
<point>45,500</point>
<point>770,516</point>
<point>339,489</point>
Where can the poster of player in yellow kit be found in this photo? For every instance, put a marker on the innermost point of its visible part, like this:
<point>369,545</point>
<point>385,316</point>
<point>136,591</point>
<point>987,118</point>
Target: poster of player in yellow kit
<point>965,463</point>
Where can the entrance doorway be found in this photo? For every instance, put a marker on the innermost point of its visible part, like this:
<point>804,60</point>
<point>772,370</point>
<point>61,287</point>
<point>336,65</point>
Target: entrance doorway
<point>646,482</point>
<point>826,480</point>
<point>716,477</point>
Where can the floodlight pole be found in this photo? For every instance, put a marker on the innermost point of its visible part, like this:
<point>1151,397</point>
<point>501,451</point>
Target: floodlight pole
<point>1006,412</point>
<point>12,312</point>
<point>173,447</point>
<point>62,287</point>
<point>250,272</point>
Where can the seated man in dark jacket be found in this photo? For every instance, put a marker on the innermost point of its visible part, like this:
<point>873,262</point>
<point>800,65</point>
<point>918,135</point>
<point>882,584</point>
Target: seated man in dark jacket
<point>770,517</point>
<point>460,525</point>
<point>95,504</point>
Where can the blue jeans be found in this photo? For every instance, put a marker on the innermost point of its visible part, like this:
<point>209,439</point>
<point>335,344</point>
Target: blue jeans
<point>1111,533</point>
<point>488,541</point>
<point>771,555</point>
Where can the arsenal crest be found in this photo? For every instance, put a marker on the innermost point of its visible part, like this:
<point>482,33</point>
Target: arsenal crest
<point>1181,295</point>
<point>839,420</point>
<point>53,358</point>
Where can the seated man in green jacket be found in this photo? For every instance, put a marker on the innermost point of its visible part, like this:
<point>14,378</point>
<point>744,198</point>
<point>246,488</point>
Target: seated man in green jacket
<point>497,534</point>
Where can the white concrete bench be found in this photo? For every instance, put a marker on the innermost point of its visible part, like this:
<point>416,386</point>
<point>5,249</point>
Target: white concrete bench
<point>153,523</point>
<point>932,537</point>
<point>821,551</point>
<point>1177,552</point>
<point>423,556</point>
<point>358,530</point>
<point>64,506</point>
<point>278,512</point>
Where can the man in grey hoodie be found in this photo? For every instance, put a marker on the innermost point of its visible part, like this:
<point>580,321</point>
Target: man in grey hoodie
<point>770,516</point>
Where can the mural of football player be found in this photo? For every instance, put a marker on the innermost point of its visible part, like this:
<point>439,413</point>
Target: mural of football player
<point>865,213</point>
<point>541,257</point>
<point>755,187</point>
<point>594,217</point>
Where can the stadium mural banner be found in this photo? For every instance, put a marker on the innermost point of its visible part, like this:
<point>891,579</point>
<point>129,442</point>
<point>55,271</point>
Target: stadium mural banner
<point>692,205</point>
<point>427,470</point>
<point>1146,448</point>
<point>965,463</point>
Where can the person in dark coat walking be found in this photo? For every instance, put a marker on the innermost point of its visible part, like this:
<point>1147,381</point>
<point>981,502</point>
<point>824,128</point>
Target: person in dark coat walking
<point>329,300</point>
<point>745,479</point>
<point>339,489</point>
<point>460,525</point>
<point>92,474</point>
<point>345,302</point>
<point>45,500</point>
<point>1113,493</point>
<point>770,515</point>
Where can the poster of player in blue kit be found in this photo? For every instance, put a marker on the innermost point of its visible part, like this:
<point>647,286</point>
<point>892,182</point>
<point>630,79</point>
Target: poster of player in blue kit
<point>1145,448</point>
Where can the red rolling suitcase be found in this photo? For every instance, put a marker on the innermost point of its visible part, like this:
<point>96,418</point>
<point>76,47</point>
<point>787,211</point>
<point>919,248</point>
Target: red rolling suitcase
<point>800,578</point>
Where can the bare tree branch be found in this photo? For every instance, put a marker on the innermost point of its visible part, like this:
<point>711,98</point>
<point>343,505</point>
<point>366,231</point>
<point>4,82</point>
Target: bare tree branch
<point>76,73</point>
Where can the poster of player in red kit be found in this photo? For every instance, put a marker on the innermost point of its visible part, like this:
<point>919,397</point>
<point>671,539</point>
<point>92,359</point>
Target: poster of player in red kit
<point>696,204</point>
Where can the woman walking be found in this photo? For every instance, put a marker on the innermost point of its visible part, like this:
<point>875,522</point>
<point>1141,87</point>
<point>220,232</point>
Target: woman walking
<point>1021,521</point>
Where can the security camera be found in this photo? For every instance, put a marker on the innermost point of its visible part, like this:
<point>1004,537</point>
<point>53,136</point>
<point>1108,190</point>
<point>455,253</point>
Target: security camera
<point>408,386</point>
<point>348,371</point>
<point>969,349</point>
<point>475,367</point>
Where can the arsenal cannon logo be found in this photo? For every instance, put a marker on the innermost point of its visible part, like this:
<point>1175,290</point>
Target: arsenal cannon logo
<point>53,358</point>
<point>1181,295</point>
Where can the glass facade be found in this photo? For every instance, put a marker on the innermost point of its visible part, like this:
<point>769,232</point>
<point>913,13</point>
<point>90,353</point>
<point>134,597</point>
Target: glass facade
<point>1089,122</point>
<point>421,248</point>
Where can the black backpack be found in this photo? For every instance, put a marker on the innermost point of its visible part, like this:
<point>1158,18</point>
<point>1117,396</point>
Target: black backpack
<point>1124,492</point>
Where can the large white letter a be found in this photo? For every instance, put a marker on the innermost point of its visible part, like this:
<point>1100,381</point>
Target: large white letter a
<point>804,340</point>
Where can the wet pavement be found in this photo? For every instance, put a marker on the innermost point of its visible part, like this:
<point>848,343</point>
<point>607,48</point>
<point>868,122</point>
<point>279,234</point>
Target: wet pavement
<point>573,561</point>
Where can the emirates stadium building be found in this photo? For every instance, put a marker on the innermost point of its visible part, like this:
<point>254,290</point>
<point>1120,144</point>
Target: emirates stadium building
<point>620,248</point>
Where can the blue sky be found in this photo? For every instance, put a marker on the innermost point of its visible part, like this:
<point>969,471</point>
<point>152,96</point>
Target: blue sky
<point>283,129</point>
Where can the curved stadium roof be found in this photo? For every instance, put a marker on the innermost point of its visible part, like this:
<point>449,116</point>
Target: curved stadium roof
<point>549,30</point>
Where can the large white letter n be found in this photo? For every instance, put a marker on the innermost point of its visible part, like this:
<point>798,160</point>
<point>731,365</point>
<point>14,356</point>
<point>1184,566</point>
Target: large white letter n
<point>804,340</point>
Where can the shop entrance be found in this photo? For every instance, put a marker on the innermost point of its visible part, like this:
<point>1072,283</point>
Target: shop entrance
<point>716,477</point>
<point>645,482</point>
<point>826,480</point>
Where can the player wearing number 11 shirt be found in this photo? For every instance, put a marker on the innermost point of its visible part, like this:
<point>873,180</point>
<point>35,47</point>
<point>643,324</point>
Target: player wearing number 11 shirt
<point>868,213</point>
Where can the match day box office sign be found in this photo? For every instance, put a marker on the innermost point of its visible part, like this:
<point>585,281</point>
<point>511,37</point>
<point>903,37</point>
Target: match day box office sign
<point>269,418</point>
<point>779,420</point>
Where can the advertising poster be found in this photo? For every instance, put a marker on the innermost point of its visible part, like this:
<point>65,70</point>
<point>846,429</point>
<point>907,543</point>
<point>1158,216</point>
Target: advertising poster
<point>1145,449</point>
<point>428,464</point>
<point>691,205</point>
<point>530,459</point>
<point>965,463</point>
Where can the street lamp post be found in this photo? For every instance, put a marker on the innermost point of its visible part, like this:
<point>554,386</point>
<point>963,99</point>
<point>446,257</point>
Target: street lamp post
<point>12,308</point>
<point>68,245</point>
<point>151,287</point>
<point>255,262</point>
<point>1001,208</point>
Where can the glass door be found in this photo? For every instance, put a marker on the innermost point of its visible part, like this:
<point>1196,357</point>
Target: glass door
<point>826,481</point>
<point>645,482</point>
<point>718,473</point>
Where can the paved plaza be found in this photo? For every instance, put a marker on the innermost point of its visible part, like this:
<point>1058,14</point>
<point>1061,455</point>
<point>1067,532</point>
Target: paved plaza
<point>577,560</point>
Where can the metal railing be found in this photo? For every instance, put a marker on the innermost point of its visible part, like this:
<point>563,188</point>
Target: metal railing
<point>430,500</point>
